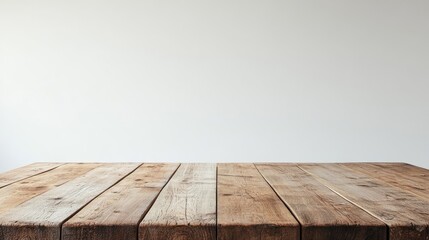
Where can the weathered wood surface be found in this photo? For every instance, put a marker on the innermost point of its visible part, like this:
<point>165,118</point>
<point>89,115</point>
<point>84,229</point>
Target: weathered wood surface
<point>248,208</point>
<point>323,214</point>
<point>15,175</point>
<point>41,217</point>
<point>186,207</point>
<point>402,175</point>
<point>406,214</point>
<point>116,213</point>
<point>15,194</point>
<point>117,201</point>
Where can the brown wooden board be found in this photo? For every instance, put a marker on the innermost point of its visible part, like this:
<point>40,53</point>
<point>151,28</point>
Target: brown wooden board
<point>185,208</point>
<point>41,217</point>
<point>404,176</point>
<point>21,191</point>
<point>208,201</point>
<point>323,214</point>
<point>406,215</point>
<point>117,212</point>
<point>24,172</point>
<point>248,208</point>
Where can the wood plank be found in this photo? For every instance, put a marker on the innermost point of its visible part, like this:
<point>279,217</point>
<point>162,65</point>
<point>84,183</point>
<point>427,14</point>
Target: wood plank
<point>24,172</point>
<point>323,214</point>
<point>248,208</point>
<point>406,215</point>
<point>185,208</point>
<point>116,213</point>
<point>21,191</point>
<point>404,176</point>
<point>41,217</point>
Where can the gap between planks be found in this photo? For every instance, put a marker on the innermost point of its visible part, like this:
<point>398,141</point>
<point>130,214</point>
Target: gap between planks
<point>330,216</point>
<point>405,213</point>
<point>105,217</point>
<point>78,210</point>
<point>27,221</point>
<point>12,176</point>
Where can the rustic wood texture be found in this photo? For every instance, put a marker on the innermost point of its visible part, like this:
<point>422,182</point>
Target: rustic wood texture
<point>248,208</point>
<point>116,213</point>
<point>404,176</point>
<point>155,201</point>
<point>15,194</point>
<point>406,215</point>
<point>323,214</point>
<point>41,217</point>
<point>185,208</point>
<point>15,175</point>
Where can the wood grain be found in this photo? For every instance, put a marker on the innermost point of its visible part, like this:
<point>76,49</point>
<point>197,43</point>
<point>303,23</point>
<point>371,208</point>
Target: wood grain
<point>24,172</point>
<point>372,201</point>
<point>41,217</point>
<point>185,208</point>
<point>406,215</point>
<point>248,208</point>
<point>323,214</point>
<point>404,176</point>
<point>21,191</point>
<point>117,212</point>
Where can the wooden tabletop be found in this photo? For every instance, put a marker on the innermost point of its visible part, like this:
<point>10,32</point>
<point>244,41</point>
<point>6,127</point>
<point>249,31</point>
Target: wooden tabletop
<point>122,201</point>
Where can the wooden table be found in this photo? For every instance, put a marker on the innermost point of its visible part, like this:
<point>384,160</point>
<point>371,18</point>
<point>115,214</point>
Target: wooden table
<point>74,201</point>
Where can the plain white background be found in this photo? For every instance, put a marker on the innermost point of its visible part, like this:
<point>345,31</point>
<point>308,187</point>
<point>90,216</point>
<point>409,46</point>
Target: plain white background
<point>214,81</point>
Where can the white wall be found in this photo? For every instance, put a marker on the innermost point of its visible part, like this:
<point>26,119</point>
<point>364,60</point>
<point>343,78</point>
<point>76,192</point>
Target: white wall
<point>224,80</point>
